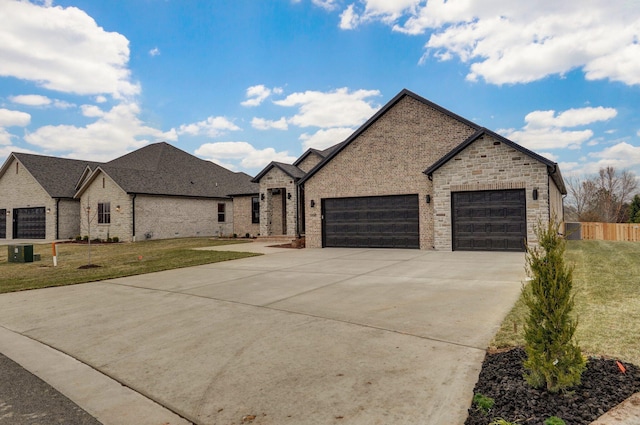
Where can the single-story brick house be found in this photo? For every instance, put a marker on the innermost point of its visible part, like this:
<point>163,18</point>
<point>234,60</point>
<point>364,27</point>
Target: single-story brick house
<point>415,175</point>
<point>157,191</point>
<point>37,196</point>
<point>160,192</point>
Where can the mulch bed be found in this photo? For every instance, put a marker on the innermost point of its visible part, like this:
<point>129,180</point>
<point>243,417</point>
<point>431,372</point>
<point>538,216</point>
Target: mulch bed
<point>602,388</point>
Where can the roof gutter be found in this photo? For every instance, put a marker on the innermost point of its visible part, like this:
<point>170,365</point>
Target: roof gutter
<point>133,216</point>
<point>57,218</point>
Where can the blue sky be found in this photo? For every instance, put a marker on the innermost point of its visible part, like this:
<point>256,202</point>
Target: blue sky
<point>245,82</point>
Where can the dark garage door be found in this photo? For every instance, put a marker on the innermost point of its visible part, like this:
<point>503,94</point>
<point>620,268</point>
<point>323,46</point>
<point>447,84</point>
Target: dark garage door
<point>29,223</point>
<point>371,222</point>
<point>492,220</point>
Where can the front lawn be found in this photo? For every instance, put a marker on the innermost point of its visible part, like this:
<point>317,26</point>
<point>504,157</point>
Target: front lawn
<point>606,282</point>
<point>115,260</point>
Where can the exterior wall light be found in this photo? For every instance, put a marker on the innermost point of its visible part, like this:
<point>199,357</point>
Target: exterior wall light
<point>262,196</point>
<point>117,208</point>
<point>289,195</point>
<point>8,212</point>
<point>313,203</point>
<point>48,210</point>
<point>535,194</point>
<point>428,199</point>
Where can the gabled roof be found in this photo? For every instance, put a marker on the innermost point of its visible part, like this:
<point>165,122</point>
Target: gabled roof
<point>552,167</point>
<point>335,150</point>
<point>162,169</point>
<point>290,170</point>
<point>307,153</point>
<point>57,176</point>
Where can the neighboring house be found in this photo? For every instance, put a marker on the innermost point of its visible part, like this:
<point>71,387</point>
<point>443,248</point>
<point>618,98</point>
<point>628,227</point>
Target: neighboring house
<point>159,192</point>
<point>415,175</point>
<point>37,197</point>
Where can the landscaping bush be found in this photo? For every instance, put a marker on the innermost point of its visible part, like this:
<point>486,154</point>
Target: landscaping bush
<point>115,239</point>
<point>554,359</point>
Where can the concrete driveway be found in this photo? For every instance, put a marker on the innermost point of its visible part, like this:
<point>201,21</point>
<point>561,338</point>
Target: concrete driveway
<point>313,336</point>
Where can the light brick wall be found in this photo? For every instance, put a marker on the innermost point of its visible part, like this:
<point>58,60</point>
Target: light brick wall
<point>242,217</point>
<point>163,217</point>
<point>309,162</point>
<point>104,189</point>
<point>19,189</point>
<point>271,206</point>
<point>69,218</point>
<point>555,197</point>
<point>388,158</point>
<point>487,166</point>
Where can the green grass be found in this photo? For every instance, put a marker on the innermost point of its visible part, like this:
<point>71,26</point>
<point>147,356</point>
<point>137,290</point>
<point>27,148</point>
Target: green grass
<point>115,260</point>
<point>606,283</point>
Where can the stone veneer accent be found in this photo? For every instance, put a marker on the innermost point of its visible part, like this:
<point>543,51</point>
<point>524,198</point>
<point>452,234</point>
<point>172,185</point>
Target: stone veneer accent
<point>242,217</point>
<point>488,164</point>
<point>271,209</point>
<point>19,189</point>
<point>388,158</point>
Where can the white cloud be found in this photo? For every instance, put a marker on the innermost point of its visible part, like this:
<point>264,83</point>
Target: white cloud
<point>264,124</point>
<point>113,133</point>
<point>322,139</point>
<point>507,41</point>
<point>548,130</point>
<point>63,49</point>
<point>349,19</point>
<point>258,94</point>
<point>211,127</point>
<point>621,156</point>
<point>91,111</point>
<point>31,100</point>
<point>325,4</point>
<point>154,52</point>
<point>100,99</point>
<point>338,108</point>
<point>9,118</point>
<point>241,153</point>
<point>5,137</point>
<point>37,100</point>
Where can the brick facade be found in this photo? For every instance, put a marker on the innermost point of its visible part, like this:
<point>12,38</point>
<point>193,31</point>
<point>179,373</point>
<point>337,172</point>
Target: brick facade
<point>387,158</point>
<point>272,220</point>
<point>487,164</point>
<point>309,162</point>
<point>156,217</point>
<point>19,189</point>
<point>242,217</point>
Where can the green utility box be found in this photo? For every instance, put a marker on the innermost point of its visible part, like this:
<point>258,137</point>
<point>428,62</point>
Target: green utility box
<point>22,253</point>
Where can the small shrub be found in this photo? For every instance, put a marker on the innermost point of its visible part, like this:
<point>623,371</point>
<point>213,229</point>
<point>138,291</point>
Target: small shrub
<point>235,235</point>
<point>554,420</point>
<point>247,235</point>
<point>109,240</point>
<point>483,402</point>
<point>553,359</point>
<point>85,238</point>
<point>78,238</point>
<point>115,239</point>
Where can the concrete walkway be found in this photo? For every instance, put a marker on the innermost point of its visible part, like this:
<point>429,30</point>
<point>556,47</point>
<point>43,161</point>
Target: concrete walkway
<point>310,336</point>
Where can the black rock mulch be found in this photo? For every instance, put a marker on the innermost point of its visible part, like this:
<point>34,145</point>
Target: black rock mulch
<point>603,387</point>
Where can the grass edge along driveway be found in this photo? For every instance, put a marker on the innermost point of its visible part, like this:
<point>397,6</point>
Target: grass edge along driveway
<point>606,285</point>
<point>115,260</point>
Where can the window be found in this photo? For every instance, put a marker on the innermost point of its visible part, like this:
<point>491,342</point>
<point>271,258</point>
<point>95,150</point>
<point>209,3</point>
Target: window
<point>104,213</point>
<point>255,209</point>
<point>221,213</point>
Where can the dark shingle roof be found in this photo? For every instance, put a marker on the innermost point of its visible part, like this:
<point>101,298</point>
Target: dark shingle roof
<point>57,176</point>
<point>162,169</point>
<point>290,170</point>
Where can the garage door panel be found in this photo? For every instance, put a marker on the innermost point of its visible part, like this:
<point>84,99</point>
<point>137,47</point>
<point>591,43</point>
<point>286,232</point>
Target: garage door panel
<point>377,222</point>
<point>29,223</point>
<point>489,220</point>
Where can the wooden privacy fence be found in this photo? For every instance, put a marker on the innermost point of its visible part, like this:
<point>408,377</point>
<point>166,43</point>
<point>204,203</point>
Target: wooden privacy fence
<point>629,232</point>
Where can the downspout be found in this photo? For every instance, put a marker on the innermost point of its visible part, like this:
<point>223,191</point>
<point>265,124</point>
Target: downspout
<point>57,218</point>
<point>133,216</point>
<point>297,210</point>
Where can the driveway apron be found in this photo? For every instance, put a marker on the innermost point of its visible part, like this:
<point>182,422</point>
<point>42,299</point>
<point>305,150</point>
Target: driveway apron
<point>312,336</point>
